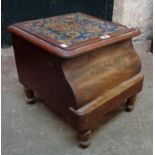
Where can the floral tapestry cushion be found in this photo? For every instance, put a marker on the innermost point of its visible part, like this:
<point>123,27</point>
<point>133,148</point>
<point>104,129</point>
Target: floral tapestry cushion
<point>69,29</point>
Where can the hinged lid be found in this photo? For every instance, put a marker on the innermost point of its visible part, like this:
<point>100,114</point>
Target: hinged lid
<point>76,33</point>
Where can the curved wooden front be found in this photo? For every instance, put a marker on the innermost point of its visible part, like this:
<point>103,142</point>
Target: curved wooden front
<point>91,75</point>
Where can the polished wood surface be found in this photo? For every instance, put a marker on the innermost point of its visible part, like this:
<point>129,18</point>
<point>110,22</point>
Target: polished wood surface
<point>80,86</point>
<point>92,75</point>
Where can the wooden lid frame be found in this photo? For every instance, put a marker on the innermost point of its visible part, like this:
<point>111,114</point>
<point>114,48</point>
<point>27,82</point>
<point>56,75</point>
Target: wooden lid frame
<point>63,51</point>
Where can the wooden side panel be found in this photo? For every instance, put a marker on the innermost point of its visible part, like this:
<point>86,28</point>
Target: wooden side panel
<point>92,75</point>
<point>90,115</point>
<point>42,72</point>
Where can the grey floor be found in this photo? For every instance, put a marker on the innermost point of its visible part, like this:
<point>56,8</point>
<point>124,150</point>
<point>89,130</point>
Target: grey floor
<point>35,130</point>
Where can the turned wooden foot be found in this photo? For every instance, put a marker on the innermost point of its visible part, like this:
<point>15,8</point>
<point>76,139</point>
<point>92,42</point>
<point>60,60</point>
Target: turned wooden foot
<point>84,138</point>
<point>30,95</point>
<point>130,103</point>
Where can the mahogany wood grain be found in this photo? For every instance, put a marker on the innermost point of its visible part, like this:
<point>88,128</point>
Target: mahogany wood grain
<point>84,84</point>
<point>94,74</point>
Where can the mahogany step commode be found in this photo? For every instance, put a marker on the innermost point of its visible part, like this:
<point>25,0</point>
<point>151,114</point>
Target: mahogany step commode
<point>82,66</point>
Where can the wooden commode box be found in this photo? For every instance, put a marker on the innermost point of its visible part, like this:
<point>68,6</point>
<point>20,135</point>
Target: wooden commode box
<point>82,66</point>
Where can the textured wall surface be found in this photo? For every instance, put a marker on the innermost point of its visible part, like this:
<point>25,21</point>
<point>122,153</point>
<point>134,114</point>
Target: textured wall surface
<point>137,13</point>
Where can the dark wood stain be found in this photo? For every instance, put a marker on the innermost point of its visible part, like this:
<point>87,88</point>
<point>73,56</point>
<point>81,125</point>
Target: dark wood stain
<point>84,84</point>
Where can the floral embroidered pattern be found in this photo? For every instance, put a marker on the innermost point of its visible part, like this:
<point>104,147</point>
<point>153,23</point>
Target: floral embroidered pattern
<point>70,29</point>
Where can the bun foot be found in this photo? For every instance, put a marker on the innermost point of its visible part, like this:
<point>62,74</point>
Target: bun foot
<point>130,103</point>
<point>30,100</point>
<point>30,95</point>
<point>84,139</point>
<point>84,144</point>
<point>129,108</point>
